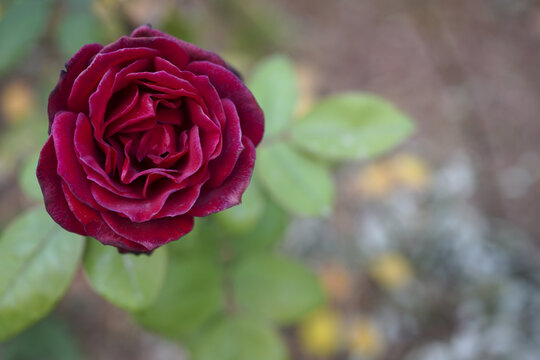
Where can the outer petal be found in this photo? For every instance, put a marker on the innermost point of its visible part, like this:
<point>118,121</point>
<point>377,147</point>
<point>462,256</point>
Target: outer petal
<point>153,233</point>
<point>195,53</point>
<point>230,192</point>
<point>222,166</point>
<point>166,45</point>
<point>51,186</point>
<point>97,228</point>
<point>69,168</point>
<point>75,65</point>
<point>231,87</point>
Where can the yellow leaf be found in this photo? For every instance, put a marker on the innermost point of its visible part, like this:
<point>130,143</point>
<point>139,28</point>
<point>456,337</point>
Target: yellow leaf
<point>391,271</point>
<point>374,181</point>
<point>410,170</point>
<point>17,101</point>
<point>319,333</point>
<point>365,339</point>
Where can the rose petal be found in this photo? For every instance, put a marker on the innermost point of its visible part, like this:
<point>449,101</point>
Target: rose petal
<point>209,131</point>
<point>195,53</point>
<point>69,168</point>
<point>157,141</point>
<point>122,103</point>
<point>194,155</point>
<point>75,65</point>
<point>90,159</point>
<point>167,115</point>
<point>163,79</point>
<point>211,98</point>
<point>180,202</point>
<point>140,117</point>
<point>99,99</point>
<point>222,166</point>
<point>51,186</point>
<point>230,192</point>
<point>161,64</point>
<point>229,86</point>
<point>97,228</point>
<point>121,80</point>
<point>153,233</point>
<point>167,47</point>
<point>137,210</point>
<point>86,82</point>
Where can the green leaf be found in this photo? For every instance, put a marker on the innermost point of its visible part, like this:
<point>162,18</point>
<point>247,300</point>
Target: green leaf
<point>192,294</point>
<point>299,184</point>
<point>20,27</point>
<point>274,86</point>
<point>276,287</point>
<point>202,241</point>
<point>77,29</point>
<point>38,260</point>
<point>48,339</point>
<point>266,233</point>
<point>243,217</point>
<point>351,126</point>
<point>240,338</point>
<point>28,180</point>
<point>131,282</point>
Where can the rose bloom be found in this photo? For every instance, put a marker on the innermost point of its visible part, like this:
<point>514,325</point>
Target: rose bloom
<point>145,134</point>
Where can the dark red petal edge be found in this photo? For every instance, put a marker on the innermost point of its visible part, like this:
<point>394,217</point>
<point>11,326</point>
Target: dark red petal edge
<point>230,193</point>
<point>75,65</point>
<point>51,186</point>
<point>229,86</point>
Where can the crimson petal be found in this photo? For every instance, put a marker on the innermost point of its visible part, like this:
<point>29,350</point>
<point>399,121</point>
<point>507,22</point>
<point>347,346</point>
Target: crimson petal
<point>222,166</point>
<point>151,234</point>
<point>231,87</point>
<point>75,65</point>
<point>137,210</point>
<point>230,192</point>
<point>88,155</point>
<point>194,52</point>
<point>86,82</point>
<point>95,227</point>
<point>51,186</point>
<point>69,168</point>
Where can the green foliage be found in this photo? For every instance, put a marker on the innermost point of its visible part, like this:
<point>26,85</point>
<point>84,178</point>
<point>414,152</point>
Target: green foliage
<point>243,217</point>
<point>192,294</point>
<point>28,180</point>
<point>178,25</point>
<point>77,29</point>
<point>202,241</point>
<point>274,86</point>
<point>300,184</point>
<point>276,287</point>
<point>239,337</point>
<point>350,127</point>
<point>265,234</point>
<point>38,260</point>
<point>129,281</point>
<point>20,27</point>
<point>48,339</point>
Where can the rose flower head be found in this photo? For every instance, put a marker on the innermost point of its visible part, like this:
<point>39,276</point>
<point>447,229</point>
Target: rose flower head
<point>145,134</point>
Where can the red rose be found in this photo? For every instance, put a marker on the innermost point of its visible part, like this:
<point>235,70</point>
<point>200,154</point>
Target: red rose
<point>145,134</point>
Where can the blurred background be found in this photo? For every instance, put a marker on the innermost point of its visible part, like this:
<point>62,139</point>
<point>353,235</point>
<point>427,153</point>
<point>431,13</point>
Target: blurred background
<point>432,251</point>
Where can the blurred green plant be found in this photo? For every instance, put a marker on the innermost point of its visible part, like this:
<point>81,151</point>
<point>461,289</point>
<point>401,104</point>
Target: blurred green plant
<point>224,289</point>
<point>22,24</point>
<point>48,339</point>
